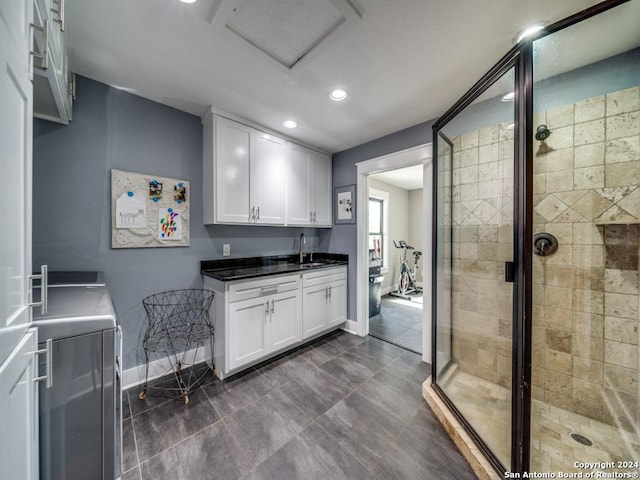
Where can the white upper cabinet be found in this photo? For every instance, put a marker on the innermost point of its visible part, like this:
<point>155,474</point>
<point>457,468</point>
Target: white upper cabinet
<point>253,177</point>
<point>267,183</point>
<point>308,187</point>
<point>53,84</point>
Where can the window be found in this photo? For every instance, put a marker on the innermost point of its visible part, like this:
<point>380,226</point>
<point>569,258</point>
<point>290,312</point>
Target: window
<point>376,230</point>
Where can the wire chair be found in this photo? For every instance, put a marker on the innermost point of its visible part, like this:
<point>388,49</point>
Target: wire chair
<point>179,324</point>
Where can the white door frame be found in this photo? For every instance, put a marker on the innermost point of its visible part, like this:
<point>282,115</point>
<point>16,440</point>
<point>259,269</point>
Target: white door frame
<point>412,156</point>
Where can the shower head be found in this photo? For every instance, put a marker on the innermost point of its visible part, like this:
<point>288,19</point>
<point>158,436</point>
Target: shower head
<point>542,132</point>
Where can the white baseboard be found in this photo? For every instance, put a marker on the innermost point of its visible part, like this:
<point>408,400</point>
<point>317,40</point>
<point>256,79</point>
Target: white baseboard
<point>157,368</point>
<point>351,326</point>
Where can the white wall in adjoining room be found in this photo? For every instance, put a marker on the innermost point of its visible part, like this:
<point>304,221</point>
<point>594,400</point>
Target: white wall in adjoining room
<point>416,227</point>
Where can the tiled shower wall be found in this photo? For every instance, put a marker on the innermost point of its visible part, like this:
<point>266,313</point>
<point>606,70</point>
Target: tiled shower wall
<point>587,194</point>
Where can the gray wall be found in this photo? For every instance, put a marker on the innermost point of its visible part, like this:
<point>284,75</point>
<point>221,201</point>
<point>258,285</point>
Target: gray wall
<point>344,237</point>
<point>71,198</point>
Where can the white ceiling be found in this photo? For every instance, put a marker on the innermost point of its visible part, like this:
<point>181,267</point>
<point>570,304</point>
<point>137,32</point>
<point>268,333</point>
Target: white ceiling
<point>402,62</point>
<point>409,178</point>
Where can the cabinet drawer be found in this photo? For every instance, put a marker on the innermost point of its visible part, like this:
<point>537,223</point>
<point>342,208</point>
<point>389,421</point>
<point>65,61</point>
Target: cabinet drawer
<point>264,286</point>
<point>324,275</point>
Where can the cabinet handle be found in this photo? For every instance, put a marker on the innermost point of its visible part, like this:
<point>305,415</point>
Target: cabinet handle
<point>48,351</point>
<point>314,217</point>
<point>44,55</point>
<point>44,286</point>
<point>60,13</point>
<point>329,292</point>
<point>252,214</point>
<point>273,308</point>
<point>258,213</point>
<point>266,311</point>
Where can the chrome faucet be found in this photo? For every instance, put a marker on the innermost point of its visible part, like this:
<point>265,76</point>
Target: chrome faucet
<point>302,254</point>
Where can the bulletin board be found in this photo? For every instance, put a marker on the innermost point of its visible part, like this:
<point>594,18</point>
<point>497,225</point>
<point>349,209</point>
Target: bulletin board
<point>148,210</point>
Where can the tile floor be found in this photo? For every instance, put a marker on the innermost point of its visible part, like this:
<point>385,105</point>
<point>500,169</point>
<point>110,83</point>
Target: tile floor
<point>553,450</point>
<point>343,407</point>
<point>399,322</point>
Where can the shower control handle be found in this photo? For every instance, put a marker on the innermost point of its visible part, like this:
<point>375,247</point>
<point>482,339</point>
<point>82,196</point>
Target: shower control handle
<point>544,244</point>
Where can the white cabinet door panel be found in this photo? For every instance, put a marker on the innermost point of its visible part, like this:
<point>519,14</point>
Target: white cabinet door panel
<point>315,303</point>
<point>232,147</point>
<point>267,183</point>
<point>299,183</point>
<point>322,190</point>
<point>248,323</point>
<point>337,303</point>
<point>285,320</point>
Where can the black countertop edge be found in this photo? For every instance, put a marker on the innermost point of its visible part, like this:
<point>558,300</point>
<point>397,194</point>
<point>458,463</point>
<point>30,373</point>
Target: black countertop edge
<point>242,268</point>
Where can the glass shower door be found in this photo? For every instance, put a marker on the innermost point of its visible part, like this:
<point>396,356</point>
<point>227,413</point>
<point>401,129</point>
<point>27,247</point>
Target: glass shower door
<point>586,162</point>
<point>474,241</point>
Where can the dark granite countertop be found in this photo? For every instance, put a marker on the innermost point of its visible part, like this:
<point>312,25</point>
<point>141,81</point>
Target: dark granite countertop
<point>230,269</point>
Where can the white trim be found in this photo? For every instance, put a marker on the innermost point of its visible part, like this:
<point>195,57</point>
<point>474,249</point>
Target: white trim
<point>384,196</point>
<point>351,326</point>
<point>404,158</point>
<point>157,368</point>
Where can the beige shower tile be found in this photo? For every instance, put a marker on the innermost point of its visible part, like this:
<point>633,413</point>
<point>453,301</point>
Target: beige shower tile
<point>584,345</point>
<point>468,174</point>
<point>539,183</point>
<point>550,207</point>
<point>588,234</point>
<point>558,297</point>
<point>559,276</point>
<point>559,362</point>
<point>590,177</point>
<point>468,192</point>
<point>621,330</point>
<point>563,256</point>
<point>589,256</point>
<point>506,151</point>
<point>621,305</point>
<point>589,155</point>
<point>592,204</point>
<point>559,181</point>
<point>467,234</point>
<point>557,160</point>
<point>558,117</point>
<point>488,189</point>
<point>590,109</point>
<point>489,171</point>
<point>588,279</point>
<point>623,125</point>
<point>557,399</point>
<point>587,399</point>
<point>557,382</point>
<point>589,132</point>
<point>621,409</point>
<point>588,301</point>
<point>560,138</point>
<point>615,214</point>
<point>621,281</point>
<point>488,135</point>
<point>558,340</point>
<point>487,234</point>
<point>488,251</point>
<point>557,319</point>
<point>587,324</point>
<point>623,101</point>
<point>623,150</point>
<point>469,157</point>
<point>562,231</point>
<point>587,369</point>
<point>621,354</point>
<point>621,378</point>
<point>469,140</point>
<point>631,203</point>
<point>537,376</point>
<point>488,153</point>
<point>505,133</point>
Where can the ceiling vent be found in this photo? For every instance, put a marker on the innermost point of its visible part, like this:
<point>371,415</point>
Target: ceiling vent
<point>287,31</point>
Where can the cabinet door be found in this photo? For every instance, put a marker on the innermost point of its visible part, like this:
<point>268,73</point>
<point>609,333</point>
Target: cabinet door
<point>232,142</point>
<point>267,178</point>
<point>322,190</point>
<point>315,310</point>
<point>300,187</point>
<point>19,407</point>
<point>285,322</point>
<point>337,311</point>
<point>248,324</point>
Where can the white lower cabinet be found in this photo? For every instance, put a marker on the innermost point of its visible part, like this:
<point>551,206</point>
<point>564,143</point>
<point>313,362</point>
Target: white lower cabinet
<point>324,300</point>
<point>259,318</point>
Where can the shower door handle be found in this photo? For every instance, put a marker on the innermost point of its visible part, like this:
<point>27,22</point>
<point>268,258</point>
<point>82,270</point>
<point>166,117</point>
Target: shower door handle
<point>510,272</point>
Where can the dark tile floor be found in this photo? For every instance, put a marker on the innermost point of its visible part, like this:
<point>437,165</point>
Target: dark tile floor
<point>343,407</point>
<point>399,322</point>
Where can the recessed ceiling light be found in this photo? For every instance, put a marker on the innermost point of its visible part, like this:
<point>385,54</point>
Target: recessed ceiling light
<point>509,97</point>
<point>338,95</point>
<point>290,124</point>
<point>527,32</point>
<point>187,1</point>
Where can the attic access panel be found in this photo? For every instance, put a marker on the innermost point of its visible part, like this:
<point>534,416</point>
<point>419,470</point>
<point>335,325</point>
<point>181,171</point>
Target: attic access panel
<point>285,30</point>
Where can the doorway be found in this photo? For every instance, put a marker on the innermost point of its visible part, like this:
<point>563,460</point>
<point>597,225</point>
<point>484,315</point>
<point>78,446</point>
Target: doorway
<point>376,183</point>
<point>395,216</point>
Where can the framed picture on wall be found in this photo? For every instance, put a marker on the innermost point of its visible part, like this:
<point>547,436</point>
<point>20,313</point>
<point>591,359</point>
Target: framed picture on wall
<point>344,204</point>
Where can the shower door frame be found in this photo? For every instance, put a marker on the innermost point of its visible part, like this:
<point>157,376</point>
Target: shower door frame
<point>520,57</point>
